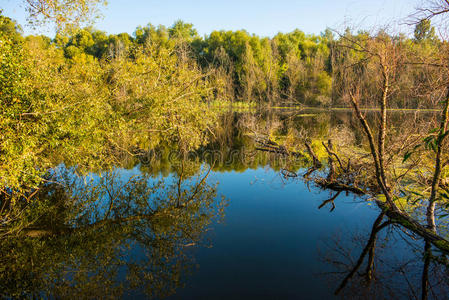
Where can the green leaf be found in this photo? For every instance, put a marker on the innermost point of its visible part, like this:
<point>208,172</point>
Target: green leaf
<point>442,136</point>
<point>416,193</point>
<point>406,156</point>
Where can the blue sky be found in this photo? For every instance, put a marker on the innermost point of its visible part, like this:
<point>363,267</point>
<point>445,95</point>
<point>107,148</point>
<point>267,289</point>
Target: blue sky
<point>264,18</point>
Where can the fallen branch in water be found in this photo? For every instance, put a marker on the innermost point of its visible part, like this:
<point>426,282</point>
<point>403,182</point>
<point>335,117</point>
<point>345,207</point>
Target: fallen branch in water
<point>331,200</point>
<point>288,174</point>
<point>268,145</point>
<point>396,217</point>
<point>344,181</point>
<point>337,186</point>
<point>316,162</point>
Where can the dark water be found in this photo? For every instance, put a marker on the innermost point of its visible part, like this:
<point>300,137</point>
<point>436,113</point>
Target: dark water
<point>275,243</point>
<point>241,231</point>
<point>272,242</point>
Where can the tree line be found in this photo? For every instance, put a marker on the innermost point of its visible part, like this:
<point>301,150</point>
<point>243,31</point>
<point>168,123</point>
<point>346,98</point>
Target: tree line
<point>85,96</point>
<point>290,68</point>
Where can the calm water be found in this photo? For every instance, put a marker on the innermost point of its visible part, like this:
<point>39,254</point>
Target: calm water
<point>272,242</point>
<point>242,231</point>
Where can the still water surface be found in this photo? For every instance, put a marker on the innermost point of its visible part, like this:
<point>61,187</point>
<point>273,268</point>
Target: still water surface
<point>223,223</point>
<point>272,242</point>
<point>275,243</point>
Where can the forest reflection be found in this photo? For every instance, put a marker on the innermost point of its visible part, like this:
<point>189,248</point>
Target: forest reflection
<point>133,229</point>
<point>101,237</point>
<point>235,146</point>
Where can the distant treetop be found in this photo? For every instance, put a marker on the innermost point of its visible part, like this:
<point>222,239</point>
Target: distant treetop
<point>65,14</point>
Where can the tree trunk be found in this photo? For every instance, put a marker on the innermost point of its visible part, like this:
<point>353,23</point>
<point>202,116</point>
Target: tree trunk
<point>437,173</point>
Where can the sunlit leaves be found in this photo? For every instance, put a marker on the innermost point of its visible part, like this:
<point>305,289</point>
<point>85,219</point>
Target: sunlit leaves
<point>65,14</point>
<point>79,103</point>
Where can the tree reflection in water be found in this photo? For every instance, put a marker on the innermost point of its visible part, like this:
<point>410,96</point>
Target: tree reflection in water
<point>369,266</point>
<point>115,234</point>
<point>106,236</point>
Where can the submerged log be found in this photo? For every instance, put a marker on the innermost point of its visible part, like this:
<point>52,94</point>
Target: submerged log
<point>395,216</point>
<point>408,222</point>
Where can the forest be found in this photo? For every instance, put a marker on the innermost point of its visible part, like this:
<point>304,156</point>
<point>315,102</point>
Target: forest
<point>85,94</point>
<point>292,68</point>
<point>81,107</point>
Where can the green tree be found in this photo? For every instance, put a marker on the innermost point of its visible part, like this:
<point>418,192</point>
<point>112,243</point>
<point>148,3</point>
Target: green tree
<point>424,31</point>
<point>183,31</point>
